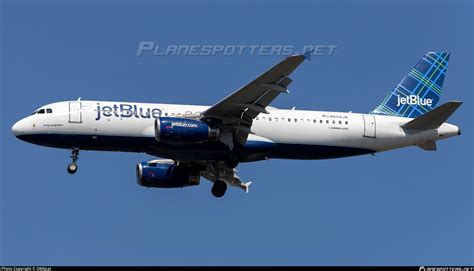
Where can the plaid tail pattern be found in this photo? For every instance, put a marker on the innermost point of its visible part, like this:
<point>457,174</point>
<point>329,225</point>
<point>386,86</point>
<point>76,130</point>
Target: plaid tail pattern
<point>419,90</point>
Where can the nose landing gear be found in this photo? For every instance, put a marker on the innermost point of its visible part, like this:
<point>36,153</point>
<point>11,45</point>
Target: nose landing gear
<point>72,167</point>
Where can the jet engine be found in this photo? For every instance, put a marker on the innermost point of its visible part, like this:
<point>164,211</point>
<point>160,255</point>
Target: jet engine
<point>166,175</point>
<point>183,130</point>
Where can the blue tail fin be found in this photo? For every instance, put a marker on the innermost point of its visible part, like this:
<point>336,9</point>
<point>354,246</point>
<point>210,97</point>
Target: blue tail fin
<point>419,90</point>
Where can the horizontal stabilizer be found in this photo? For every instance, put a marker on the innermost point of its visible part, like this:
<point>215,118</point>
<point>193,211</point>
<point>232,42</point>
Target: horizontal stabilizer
<point>434,118</point>
<point>428,146</point>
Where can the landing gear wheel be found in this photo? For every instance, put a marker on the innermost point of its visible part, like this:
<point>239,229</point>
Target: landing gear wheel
<point>72,168</point>
<point>219,188</point>
<point>232,159</point>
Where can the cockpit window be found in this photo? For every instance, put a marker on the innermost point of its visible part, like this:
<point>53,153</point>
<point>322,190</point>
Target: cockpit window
<point>43,111</point>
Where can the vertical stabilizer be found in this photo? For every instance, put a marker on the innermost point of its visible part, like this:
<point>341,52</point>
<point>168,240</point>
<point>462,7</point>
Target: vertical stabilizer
<point>419,91</point>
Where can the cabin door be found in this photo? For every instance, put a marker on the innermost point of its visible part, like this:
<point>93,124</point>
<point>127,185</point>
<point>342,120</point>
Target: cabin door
<point>75,112</point>
<point>369,126</point>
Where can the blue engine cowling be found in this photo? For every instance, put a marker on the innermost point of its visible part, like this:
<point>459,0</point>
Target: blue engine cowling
<point>182,130</point>
<point>166,175</point>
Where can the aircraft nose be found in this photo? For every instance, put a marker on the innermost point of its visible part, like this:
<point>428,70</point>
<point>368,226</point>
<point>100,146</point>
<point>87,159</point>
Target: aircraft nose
<point>19,128</point>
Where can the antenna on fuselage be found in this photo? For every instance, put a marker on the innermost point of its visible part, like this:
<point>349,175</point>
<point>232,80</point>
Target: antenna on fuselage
<point>79,99</point>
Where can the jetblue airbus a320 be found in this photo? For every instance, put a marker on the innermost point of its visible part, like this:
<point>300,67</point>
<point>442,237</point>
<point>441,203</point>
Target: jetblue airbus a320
<point>209,141</point>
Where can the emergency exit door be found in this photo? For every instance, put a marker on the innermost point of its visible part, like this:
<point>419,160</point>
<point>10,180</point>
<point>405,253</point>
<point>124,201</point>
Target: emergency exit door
<point>75,112</point>
<point>369,126</point>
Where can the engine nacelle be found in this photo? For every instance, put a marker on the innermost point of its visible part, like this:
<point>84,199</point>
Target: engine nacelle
<point>166,175</point>
<point>182,130</point>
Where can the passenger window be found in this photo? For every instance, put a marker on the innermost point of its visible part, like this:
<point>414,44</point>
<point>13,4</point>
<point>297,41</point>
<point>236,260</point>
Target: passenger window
<point>166,114</point>
<point>340,122</point>
<point>256,118</point>
<point>327,121</point>
<point>276,119</point>
<point>270,118</point>
<point>314,121</point>
<point>308,120</point>
<point>49,110</point>
<point>347,122</point>
<point>320,121</point>
<point>41,111</point>
<point>289,120</point>
<point>296,120</point>
<point>333,122</point>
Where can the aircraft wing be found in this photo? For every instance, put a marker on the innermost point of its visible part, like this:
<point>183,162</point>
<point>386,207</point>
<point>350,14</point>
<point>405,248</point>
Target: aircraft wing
<point>237,110</point>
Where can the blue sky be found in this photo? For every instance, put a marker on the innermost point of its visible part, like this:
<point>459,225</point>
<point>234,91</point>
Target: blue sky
<point>407,207</point>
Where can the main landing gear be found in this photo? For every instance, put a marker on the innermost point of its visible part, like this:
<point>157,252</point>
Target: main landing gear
<point>232,159</point>
<point>72,167</point>
<point>219,187</point>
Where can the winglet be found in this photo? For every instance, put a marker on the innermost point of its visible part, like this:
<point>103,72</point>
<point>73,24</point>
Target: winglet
<point>307,55</point>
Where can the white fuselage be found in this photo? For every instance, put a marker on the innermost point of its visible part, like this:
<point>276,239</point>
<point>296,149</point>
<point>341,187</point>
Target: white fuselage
<point>294,134</point>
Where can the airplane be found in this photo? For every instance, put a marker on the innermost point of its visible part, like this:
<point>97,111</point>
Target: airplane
<point>193,141</point>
